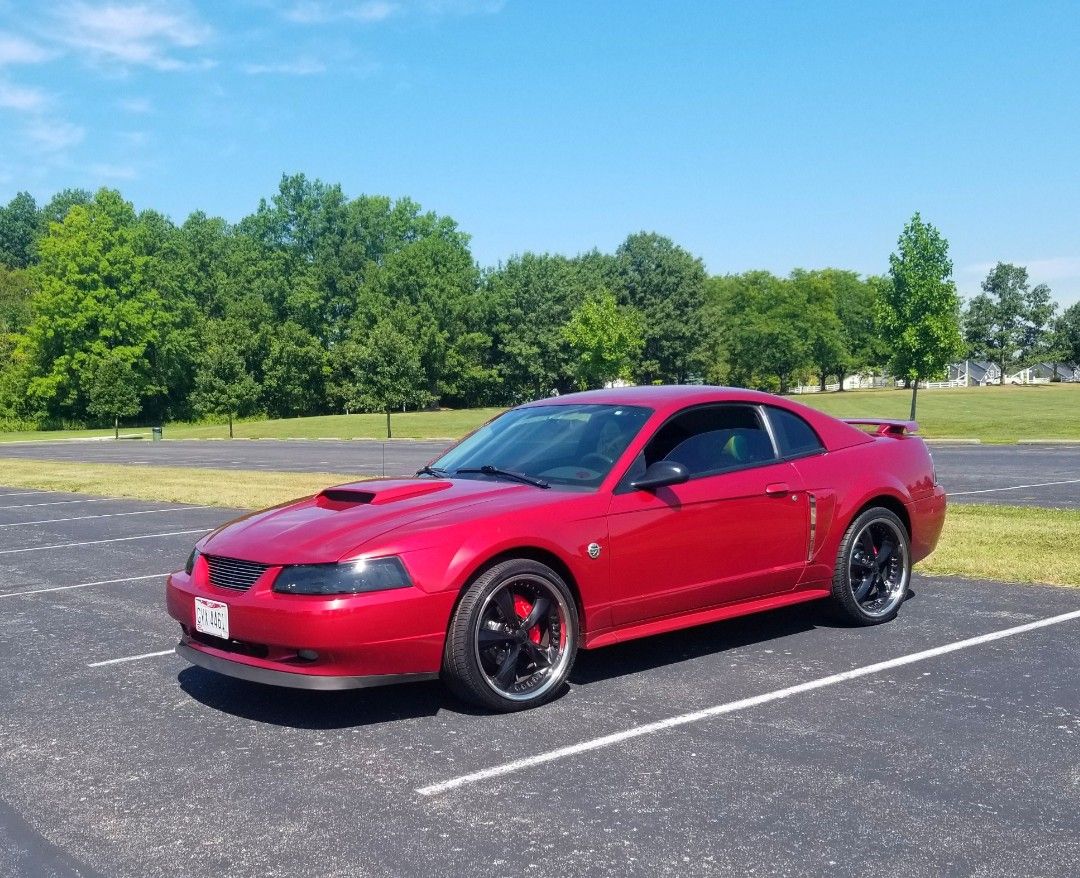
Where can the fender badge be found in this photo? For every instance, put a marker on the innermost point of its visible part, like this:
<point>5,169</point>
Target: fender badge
<point>594,550</point>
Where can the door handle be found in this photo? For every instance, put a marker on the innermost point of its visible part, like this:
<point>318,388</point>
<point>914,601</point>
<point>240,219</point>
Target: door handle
<point>777,489</point>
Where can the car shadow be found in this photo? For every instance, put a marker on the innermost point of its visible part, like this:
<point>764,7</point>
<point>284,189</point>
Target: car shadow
<point>692,643</point>
<point>301,709</point>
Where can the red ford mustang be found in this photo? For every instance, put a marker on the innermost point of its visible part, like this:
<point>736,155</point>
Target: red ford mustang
<point>565,524</point>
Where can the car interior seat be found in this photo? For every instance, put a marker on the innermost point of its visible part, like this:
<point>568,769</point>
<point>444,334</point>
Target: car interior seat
<point>747,446</point>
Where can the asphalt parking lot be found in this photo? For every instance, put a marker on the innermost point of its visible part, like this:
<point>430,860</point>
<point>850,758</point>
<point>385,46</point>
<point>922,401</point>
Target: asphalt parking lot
<point>1026,475</point>
<point>118,759</point>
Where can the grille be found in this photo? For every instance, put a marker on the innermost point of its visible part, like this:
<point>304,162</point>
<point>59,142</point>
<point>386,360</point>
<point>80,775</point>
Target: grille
<point>232,573</point>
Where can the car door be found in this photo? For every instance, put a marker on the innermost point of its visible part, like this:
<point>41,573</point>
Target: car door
<point>736,530</point>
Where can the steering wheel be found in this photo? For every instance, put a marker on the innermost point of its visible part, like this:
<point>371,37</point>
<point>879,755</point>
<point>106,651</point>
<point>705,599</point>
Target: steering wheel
<point>605,462</point>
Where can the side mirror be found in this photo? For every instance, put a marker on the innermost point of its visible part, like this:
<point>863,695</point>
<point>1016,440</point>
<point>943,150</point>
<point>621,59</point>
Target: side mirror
<point>660,475</point>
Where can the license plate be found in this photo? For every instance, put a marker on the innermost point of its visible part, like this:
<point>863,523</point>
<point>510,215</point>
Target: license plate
<point>212,617</point>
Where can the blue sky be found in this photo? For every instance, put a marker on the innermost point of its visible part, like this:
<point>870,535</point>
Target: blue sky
<point>757,135</point>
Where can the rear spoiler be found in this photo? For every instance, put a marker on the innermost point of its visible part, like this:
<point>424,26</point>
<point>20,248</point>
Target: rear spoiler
<point>885,426</point>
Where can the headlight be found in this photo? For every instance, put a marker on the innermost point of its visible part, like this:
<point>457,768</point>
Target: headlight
<point>192,558</point>
<point>351,577</point>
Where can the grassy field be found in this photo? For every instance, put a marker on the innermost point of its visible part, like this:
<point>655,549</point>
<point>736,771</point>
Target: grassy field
<point>208,487</point>
<point>448,424</point>
<point>992,414</point>
<point>1007,543</point>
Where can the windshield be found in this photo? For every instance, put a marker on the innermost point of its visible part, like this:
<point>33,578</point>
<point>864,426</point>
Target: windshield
<point>562,444</point>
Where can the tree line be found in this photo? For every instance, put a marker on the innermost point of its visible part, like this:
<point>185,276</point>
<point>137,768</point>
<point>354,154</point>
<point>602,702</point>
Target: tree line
<point>317,303</point>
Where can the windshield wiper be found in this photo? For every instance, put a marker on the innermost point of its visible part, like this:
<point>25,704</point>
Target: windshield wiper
<point>489,470</point>
<point>427,470</point>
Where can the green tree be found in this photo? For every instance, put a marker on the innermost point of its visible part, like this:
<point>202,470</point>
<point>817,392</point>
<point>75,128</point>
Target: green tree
<point>114,390</point>
<point>606,339</point>
<point>526,302</point>
<point>828,345</point>
<point>16,290</point>
<point>223,385</point>
<point>1008,321</point>
<point>380,371</point>
<point>1067,336</point>
<point>758,336</point>
<point>57,207</point>
<point>102,285</point>
<point>20,224</point>
<point>293,373</point>
<point>435,282</point>
<point>666,284</point>
<point>920,311</point>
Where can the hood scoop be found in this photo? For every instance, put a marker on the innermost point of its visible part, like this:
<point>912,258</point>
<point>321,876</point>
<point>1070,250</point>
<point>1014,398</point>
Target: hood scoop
<point>377,492</point>
<point>343,495</point>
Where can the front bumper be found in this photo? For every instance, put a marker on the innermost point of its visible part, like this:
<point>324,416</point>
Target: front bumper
<point>313,642</point>
<point>272,677</point>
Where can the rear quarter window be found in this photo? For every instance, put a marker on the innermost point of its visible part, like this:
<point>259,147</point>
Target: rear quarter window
<point>794,436</point>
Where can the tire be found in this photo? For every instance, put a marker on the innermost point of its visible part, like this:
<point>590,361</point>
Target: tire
<point>491,658</point>
<point>866,590</point>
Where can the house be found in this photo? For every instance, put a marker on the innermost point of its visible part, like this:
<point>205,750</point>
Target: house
<point>1044,373</point>
<point>973,373</point>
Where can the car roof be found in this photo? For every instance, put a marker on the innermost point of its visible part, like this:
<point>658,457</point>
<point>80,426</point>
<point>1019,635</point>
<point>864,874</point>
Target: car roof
<point>662,396</point>
<point>665,399</point>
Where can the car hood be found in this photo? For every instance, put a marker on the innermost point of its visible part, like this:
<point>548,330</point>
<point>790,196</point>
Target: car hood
<point>334,523</point>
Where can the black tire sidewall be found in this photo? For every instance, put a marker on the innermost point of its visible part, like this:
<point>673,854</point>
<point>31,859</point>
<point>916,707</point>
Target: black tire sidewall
<point>842,598</point>
<point>461,670</point>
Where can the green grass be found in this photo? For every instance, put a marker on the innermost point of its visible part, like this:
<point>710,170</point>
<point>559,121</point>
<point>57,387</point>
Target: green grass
<point>448,423</point>
<point>208,487</point>
<point>37,435</point>
<point>1009,543</point>
<point>992,414</point>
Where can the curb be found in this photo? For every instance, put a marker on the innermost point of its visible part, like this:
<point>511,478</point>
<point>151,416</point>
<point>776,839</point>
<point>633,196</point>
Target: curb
<point>953,441</point>
<point>1048,442</point>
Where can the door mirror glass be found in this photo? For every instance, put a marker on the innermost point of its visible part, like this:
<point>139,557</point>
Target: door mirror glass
<point>661,474</point>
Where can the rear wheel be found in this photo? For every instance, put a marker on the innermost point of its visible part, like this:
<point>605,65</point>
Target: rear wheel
<point>513,638</point>
<point>873,568</point>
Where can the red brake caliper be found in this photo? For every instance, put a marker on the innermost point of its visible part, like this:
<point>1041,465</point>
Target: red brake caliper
<point>522,607</point>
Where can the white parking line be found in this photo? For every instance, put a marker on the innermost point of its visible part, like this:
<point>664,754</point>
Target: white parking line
<point>131,658</point>
<point>1014,488</point>
<point>13,594</point>
<point>104,515</point>
<point>175,533</point>
<point>733,706</point>
<point>54,503</point>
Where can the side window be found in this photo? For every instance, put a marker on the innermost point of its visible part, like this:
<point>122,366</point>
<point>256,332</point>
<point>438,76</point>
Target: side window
<point>712,439</point>
<point>793,434</point>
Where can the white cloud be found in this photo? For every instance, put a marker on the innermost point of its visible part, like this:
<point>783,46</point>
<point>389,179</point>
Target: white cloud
<point>113,172</point>
<point>371,11</point>
<point>144,34</point>
<point>22,98</point>
<point>135,105</point>
<point>16,50</point>
<point>300,67</point>
<point>374,10</point>
<point>462,7</point>
<point>53,135</point>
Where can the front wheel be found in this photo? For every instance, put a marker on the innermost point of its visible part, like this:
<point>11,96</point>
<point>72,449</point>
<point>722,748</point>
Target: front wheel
<point>513,637</point>
<point>873,568</point>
